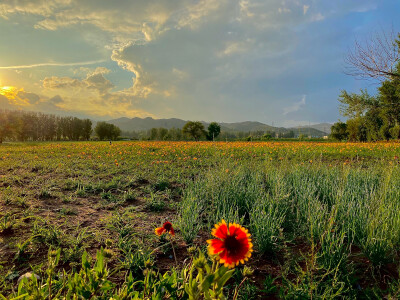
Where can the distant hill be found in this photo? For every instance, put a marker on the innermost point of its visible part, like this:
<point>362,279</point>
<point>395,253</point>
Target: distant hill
<point>250,126</point>
<point>324,127</point>
<point>139,124</point>
<point>307,131</point>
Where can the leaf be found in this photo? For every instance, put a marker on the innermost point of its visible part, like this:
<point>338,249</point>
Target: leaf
<point>206,283</point>
<point>224,278</point>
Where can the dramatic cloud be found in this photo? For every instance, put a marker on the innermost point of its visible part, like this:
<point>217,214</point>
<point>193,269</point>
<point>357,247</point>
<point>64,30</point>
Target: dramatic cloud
<point>143,84</point>
<point>15,96</point>
<point>224,60</point>
<point>62,83</point>
<point>123,19</point>
<point>92,95</point>
<point>94,80</point>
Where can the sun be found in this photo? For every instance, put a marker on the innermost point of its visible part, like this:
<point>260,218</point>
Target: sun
<point>8,91</point>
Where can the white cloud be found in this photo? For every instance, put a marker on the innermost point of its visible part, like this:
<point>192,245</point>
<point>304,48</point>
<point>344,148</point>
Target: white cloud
<point>317,17</point>
<point>93,81</point>
<point>305,9</point>
<point>35,7</point>
<point>181,53</point>
<point>295,106</point>
<point>181,75</point>
<point>195,14</point>
<point>91,95</point>
<point>99,70</point>
<point>55,82</point>
<point>52,64</point>
<point>143,84</point>
<point>124,20</point>
<point>236,47</point>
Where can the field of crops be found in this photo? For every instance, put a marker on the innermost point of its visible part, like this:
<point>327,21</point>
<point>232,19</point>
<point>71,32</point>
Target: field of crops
<point>324,217</point>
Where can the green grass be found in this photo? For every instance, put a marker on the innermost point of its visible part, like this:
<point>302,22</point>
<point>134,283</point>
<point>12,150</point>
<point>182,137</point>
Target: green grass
<point>324,217</point>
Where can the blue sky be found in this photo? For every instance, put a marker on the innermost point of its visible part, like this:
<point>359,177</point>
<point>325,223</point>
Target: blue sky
<point>272,61</point>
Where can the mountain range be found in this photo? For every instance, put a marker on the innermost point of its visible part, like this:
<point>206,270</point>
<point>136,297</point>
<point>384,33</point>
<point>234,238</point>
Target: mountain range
<point>139,124</point>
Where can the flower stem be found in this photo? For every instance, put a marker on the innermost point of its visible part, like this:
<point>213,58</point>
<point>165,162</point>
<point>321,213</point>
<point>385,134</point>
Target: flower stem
<point>238,288</point>
<point>173,250</point>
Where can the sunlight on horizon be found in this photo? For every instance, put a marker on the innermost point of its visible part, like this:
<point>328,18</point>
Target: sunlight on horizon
<point>274,62</point>
<point>8,91</point>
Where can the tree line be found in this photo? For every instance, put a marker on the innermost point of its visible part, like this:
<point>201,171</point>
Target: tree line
<point>191,130</point>
<point>372,117</point>
<point>36,126</point>
<point>212,132</point>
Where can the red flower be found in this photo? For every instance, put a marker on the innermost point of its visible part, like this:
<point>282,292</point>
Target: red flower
<point>166,228</point>
<point>232,244</point>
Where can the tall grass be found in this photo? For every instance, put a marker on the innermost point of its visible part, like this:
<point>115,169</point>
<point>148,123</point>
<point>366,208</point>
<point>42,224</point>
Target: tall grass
<point>334,207</point>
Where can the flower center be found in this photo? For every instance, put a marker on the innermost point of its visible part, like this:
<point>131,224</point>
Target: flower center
<point>167,226</point>
<point>232,244</point>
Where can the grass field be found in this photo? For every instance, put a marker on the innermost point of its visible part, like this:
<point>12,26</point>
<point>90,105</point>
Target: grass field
<point>324,217</point>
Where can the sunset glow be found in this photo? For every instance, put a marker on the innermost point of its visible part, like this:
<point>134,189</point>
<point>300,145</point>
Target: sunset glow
<point>8,91</point>
<point>276,62</point>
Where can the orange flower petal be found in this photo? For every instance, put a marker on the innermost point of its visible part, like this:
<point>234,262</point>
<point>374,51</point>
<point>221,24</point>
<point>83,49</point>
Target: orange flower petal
<point>168,228</point>
<point>221,230</point>
<point>216,246</point>
<point>172,231</point>
<point>232,246</point>
<point>159,230</point>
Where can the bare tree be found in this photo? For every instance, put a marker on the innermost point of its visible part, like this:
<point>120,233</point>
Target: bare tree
<point>376,57</point>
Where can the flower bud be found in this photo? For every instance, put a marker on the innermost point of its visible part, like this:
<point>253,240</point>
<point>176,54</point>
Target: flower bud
<point>247,271</point>
<point>108,253</point>
<point>108,243</point>
<point>192,250</point>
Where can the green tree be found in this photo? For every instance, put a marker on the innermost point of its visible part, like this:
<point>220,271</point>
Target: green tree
<point>267,136</point>
<point>108,131</point>
<point>115,132</point>
<point>153,134</point>
<point>194,130</point>
<point>175,134</point>
<point>339,131</point>
<point>162,133</point>
<point>373,122</point>
<point>389,96</point>
<point>5,126</point>
<point>87,129</point>
<point>77,128</point>
<point>356,105</point>
<point>384,132</point>
<point>101,130</point>
<point>213,131</point>
<point>357,129</point>
<point>374,117</point>
<point>395,132</point>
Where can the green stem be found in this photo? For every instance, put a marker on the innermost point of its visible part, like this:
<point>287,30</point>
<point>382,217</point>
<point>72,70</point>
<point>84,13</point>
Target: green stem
<point>173,250</point>
<point>238,288</point>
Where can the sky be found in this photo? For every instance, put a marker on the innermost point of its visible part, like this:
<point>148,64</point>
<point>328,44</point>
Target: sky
<point>276,62</point>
